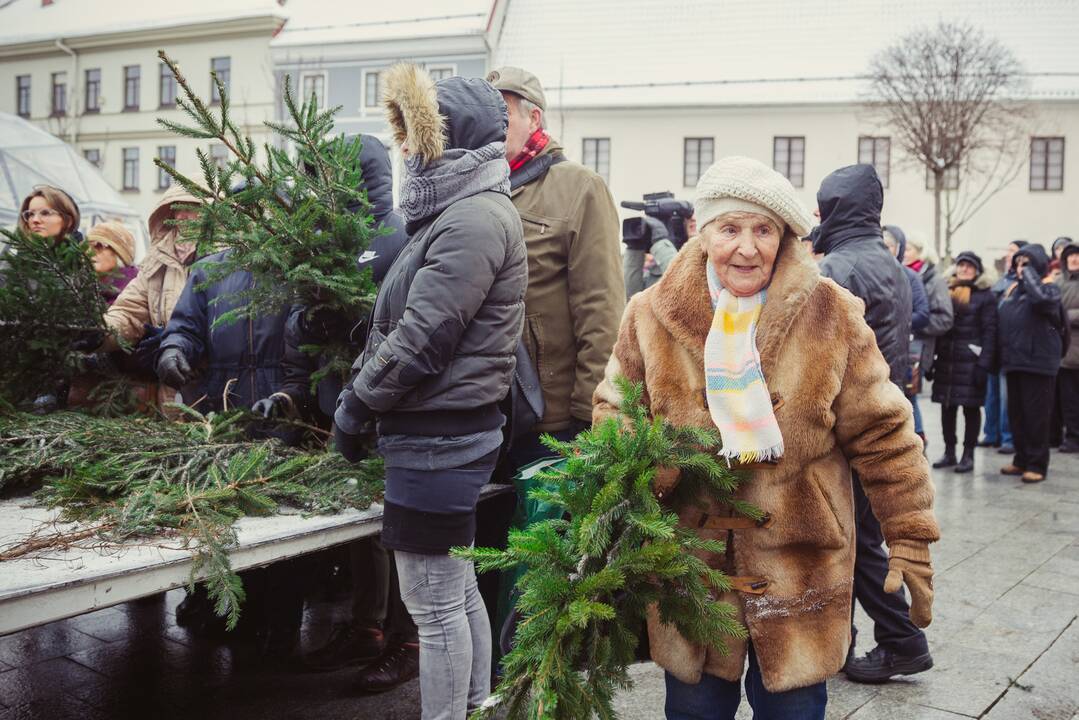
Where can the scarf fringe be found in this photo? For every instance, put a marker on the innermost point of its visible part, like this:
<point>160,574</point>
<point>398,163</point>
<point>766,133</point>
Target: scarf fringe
<point>764,455</point>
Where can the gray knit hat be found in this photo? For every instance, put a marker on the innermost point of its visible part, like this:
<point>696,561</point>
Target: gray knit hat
<point>742,183</point>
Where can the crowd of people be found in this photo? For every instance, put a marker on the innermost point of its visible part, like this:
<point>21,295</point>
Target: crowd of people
<point>502,315</point>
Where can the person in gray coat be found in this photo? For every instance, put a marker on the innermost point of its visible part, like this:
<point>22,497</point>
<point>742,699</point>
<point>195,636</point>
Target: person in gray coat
<point>439,358</point>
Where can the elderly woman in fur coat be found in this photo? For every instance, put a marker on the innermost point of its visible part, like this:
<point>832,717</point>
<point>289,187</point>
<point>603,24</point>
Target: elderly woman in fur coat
<point>744,334</point>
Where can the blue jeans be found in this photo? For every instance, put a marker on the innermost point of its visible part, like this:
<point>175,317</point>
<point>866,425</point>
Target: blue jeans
<point>918,428</point>
<point>455,635</point>
<point>997,428</point>
<point>717,699</point>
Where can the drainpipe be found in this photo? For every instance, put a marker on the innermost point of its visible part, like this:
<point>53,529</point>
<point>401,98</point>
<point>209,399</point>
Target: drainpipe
<point>73,133</point>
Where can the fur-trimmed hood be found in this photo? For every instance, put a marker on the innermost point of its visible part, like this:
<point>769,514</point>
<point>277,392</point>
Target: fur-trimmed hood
<point>457,112</point>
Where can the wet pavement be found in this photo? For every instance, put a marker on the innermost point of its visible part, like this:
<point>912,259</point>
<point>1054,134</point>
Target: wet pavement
<point>1005,635</point>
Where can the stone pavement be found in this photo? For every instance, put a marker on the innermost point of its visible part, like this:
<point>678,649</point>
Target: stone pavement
<point>1005,635</point>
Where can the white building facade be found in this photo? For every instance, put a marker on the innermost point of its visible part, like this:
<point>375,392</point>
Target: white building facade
<point>79,70</point>
<point>649,94</point>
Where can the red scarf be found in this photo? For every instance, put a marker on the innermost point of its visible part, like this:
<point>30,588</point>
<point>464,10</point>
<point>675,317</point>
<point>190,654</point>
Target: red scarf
<point>532,148</point>
<point>917,265</point>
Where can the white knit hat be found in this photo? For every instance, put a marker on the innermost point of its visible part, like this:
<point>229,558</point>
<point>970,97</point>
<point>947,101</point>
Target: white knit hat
<point>742,183</point>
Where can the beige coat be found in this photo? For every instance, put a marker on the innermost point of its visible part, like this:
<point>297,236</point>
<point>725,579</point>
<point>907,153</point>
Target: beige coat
<point>151,296</point>
<point>837,411</point>
<point>575,290</point>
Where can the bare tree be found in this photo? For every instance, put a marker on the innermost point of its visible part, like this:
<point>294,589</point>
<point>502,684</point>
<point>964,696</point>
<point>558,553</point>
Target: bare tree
<point>955,99</point>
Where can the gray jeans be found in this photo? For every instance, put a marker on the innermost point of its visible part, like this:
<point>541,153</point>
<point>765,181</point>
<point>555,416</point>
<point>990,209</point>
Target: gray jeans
<point>455,635</point>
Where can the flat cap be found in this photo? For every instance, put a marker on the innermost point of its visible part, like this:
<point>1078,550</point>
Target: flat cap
<point>519,82</point>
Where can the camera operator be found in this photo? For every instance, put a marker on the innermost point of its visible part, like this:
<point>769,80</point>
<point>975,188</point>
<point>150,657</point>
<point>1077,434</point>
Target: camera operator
<point>652,241</point>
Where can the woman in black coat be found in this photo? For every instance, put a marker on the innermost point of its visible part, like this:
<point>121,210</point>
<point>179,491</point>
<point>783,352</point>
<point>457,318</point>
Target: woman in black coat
<point>964,358</point>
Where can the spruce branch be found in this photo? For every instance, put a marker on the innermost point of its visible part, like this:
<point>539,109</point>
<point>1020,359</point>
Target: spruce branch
<point>588,577</point>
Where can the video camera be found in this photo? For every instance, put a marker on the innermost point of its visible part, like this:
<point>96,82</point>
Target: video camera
<point>638,232</point>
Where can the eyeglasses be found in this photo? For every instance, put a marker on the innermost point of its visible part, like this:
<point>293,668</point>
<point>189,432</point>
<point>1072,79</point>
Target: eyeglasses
<point>45,214</point>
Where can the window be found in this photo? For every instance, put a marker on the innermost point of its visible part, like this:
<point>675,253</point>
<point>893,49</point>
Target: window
<point>92,156</point>
<point>1047,163</point>
<point>131,168</point>
<point>951,179</point>
<point>92,102</point>
<point>59,93</point>
<point>219,154</point>
<point>131,87</point>
<point>596,154</point>
<point>876,151</point>
<point>697,155</point>
<point>22,95</point>
<point>441,72</point>
<point>372,87</point>
<point>222,68</point>
<point>789,158</point>
<point>167,87</point>
<point>167,155</point>
<point>314,84</point>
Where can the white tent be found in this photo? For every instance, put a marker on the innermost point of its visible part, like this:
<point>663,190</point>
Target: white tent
<point>30,156</point>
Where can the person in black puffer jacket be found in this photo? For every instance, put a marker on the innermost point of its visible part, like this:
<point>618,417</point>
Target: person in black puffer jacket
<point>965,358</point>
<point>1030,344</point>
<point>439,358</point>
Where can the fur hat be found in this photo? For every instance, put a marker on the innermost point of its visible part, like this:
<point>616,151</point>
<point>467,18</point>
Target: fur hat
<point>117,237</point>
<point>748,185</point>
<point>412,111</point>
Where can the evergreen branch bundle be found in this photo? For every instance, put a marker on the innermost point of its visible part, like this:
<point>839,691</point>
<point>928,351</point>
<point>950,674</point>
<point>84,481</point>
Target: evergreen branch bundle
<point>297,224</point>
<point>591,575</point>
<point>49,297</point>
<point>140,478</point>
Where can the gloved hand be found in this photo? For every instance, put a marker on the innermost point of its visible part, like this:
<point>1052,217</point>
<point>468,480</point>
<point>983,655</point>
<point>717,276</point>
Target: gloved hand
<point>665,481</point>
<point>173,368</point>
<point>644,244</point>
<point>277,405</point>
<point>88,340</point>
<point>351,423</point>
<point>144,352</point>
<point>909,563</point>
<point>316,326</point>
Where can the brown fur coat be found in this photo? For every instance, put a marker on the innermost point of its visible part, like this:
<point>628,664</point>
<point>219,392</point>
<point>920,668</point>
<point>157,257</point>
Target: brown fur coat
<point>836,409</point>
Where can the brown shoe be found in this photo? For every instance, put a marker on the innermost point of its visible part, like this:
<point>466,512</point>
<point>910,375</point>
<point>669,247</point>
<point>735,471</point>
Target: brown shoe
<point>1012,470</point>
<point>1032,477</point>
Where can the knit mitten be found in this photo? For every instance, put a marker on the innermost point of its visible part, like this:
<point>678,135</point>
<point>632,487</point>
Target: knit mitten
<point>665,481</point>
<point>909,563</point>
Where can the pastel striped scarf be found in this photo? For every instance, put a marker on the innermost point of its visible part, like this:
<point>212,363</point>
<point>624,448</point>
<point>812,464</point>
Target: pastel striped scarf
<point>738,397</point>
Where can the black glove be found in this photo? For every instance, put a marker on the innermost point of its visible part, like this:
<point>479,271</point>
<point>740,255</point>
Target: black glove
<point>316,326</point>
<point>352,447</point>
<point>88,340</point>
<point>173,368</point>
<point>275,406</point>
<point>144,353</point>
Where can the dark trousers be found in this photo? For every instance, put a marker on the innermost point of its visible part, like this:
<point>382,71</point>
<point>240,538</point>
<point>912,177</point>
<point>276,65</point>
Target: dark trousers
<point>714,698</point>
<point>972,423</point>
<point>892,628</point>
<point>1030,401</point>
<point>377,592</point>
<point>1068,394</point>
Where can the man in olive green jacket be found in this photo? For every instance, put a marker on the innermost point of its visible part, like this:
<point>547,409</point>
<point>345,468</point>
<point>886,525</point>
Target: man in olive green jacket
<point>575,294</point>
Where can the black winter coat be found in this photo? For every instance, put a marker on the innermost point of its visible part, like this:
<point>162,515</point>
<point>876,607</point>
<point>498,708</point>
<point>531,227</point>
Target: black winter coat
<point>960,373</point>
<point>1030,338</point>
<point>248,351</point>
<point>855,256</point>
<point>298,366</point>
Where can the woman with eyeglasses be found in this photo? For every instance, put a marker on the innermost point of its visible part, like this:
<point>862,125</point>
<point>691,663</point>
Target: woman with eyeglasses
<point>50,212</point>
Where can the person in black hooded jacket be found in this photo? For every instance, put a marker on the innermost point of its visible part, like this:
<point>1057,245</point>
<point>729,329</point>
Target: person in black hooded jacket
<point>965,358</point>
<point>850,201</point>
<point>1030,345</point>
<point>380,631</point>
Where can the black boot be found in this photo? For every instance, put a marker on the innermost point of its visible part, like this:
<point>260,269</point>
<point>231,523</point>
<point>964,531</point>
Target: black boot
<point>397,665</point>
<point>947,459</point>
<point>351,644</point>
<point>880,665</point>
<point>966,463</point>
